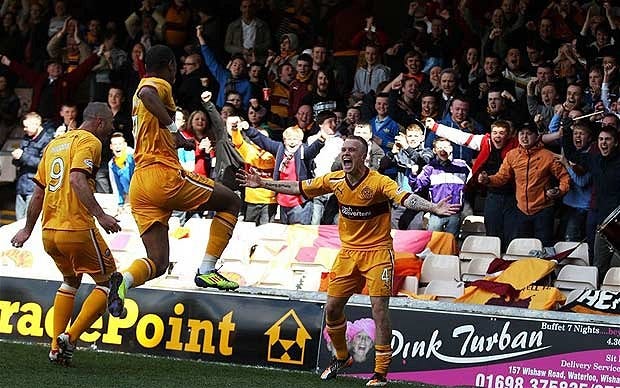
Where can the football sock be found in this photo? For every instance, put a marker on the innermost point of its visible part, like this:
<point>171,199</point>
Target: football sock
<point>221,230</point>
<point>63,309</point>
<point>337,330</point>
<point>94,306</point>
<point>139,272</point>
<point>383,357</point>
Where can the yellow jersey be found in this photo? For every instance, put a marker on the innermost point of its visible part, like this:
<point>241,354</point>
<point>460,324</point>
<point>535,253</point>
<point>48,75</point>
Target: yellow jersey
<point>365,222</point>
<point>76,150</point>
<point>153,144</point>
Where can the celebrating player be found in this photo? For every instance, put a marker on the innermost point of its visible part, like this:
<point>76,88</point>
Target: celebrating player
<point>160,185</point>
<point>367,254</point>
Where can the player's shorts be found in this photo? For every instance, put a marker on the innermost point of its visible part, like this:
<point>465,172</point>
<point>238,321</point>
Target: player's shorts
<point>157,190</point>
<point>79,251</point>
<point>352,267</point>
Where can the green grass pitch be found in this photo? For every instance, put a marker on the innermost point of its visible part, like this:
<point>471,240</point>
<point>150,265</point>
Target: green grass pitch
<point>26,365</point>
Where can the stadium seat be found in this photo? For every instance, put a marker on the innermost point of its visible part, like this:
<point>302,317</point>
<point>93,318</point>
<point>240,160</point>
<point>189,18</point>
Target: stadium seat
<point>440,267</point>
<point>476,269</point>
<point>575,277</point>
<point>479,247</point>
<point>579,256</point>
<point>520,248</point>
<point>277,277</point>
<point>307,278</point>
<point>444,289</point>
<point>472,225</point>
<point>410,284</point>
<point>611,282</point>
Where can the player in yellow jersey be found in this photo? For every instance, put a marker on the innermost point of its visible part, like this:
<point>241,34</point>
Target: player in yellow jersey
<point>364,197</point>
<point>64,192</point>
<point>160,185</point>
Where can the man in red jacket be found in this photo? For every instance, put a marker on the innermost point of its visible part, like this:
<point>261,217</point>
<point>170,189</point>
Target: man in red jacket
<point>53,88</point>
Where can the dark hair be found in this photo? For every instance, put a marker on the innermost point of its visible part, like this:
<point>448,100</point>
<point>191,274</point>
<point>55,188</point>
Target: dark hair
<point>546,65</point>
<point>331,83</point>
<point>238,56</point>
<point>613,131</point>
<point>117,134</point>
<point>609,114</point>
<point>413,54</point>
<point>428,93</point>
<point>493,55</point>
<point>305,58</point>
<point>602,27</point>
<point>383,95</point>
<point>325,115</point>
<point>158,57</point>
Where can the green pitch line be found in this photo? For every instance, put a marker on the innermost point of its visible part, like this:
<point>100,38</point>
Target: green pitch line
<point>25,365</point>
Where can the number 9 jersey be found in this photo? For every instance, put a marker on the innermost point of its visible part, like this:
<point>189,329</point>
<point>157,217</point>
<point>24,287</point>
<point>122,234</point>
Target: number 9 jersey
<point>76,150</point>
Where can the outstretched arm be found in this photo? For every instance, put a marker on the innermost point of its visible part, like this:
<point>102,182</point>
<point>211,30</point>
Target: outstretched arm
<point>441,208</point>
<point>249,179</point>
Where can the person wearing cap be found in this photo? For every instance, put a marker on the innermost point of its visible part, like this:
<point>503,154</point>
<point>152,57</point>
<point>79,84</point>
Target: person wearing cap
<point>533,168</point>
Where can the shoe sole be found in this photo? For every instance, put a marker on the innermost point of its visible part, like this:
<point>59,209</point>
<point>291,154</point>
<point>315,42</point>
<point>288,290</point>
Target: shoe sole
<point>115,302</point>
<point>201,283</point>
<point>330,376</point>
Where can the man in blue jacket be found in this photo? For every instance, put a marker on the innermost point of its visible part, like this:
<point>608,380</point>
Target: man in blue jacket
<point>230,79</point>
<point>27,158</point>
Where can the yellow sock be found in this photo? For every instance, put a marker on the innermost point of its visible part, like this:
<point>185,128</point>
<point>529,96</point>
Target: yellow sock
<point>221,230</point>
<point>141,270</point>
<point>63,309</point>
<point>94,306</point>
<point>337,333</point>
<point>383,357</point>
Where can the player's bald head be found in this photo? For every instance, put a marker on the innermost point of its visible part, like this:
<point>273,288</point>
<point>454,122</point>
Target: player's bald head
<point>95,110</point>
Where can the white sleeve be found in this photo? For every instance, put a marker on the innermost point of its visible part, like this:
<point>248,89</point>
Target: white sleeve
<point>459,137</point>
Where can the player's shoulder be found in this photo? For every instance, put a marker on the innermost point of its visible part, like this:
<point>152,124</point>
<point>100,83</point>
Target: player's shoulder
<point>155,82</point>
<point>335,176</point>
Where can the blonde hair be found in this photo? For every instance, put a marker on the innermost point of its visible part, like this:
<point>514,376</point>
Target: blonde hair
<point>33,115</point>
<point>293,132</point>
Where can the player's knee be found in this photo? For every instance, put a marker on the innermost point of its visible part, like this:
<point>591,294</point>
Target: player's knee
<point>232,204</point>
<point>72,281</point>
<point>333,312</point>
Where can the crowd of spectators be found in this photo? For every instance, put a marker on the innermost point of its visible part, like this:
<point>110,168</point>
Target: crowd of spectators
<point>476,101</point>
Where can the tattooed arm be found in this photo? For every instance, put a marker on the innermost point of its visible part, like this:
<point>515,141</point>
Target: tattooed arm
<point>442,208</point>
<point>248,179</point>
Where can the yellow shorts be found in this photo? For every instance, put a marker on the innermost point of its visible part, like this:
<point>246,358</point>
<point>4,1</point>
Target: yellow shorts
<point>157,190</point>
<point>352,267</point>
<point>79,251</point>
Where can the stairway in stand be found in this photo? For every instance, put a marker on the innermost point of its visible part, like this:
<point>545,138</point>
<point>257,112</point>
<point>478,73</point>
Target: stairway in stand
<point>7,203</point>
